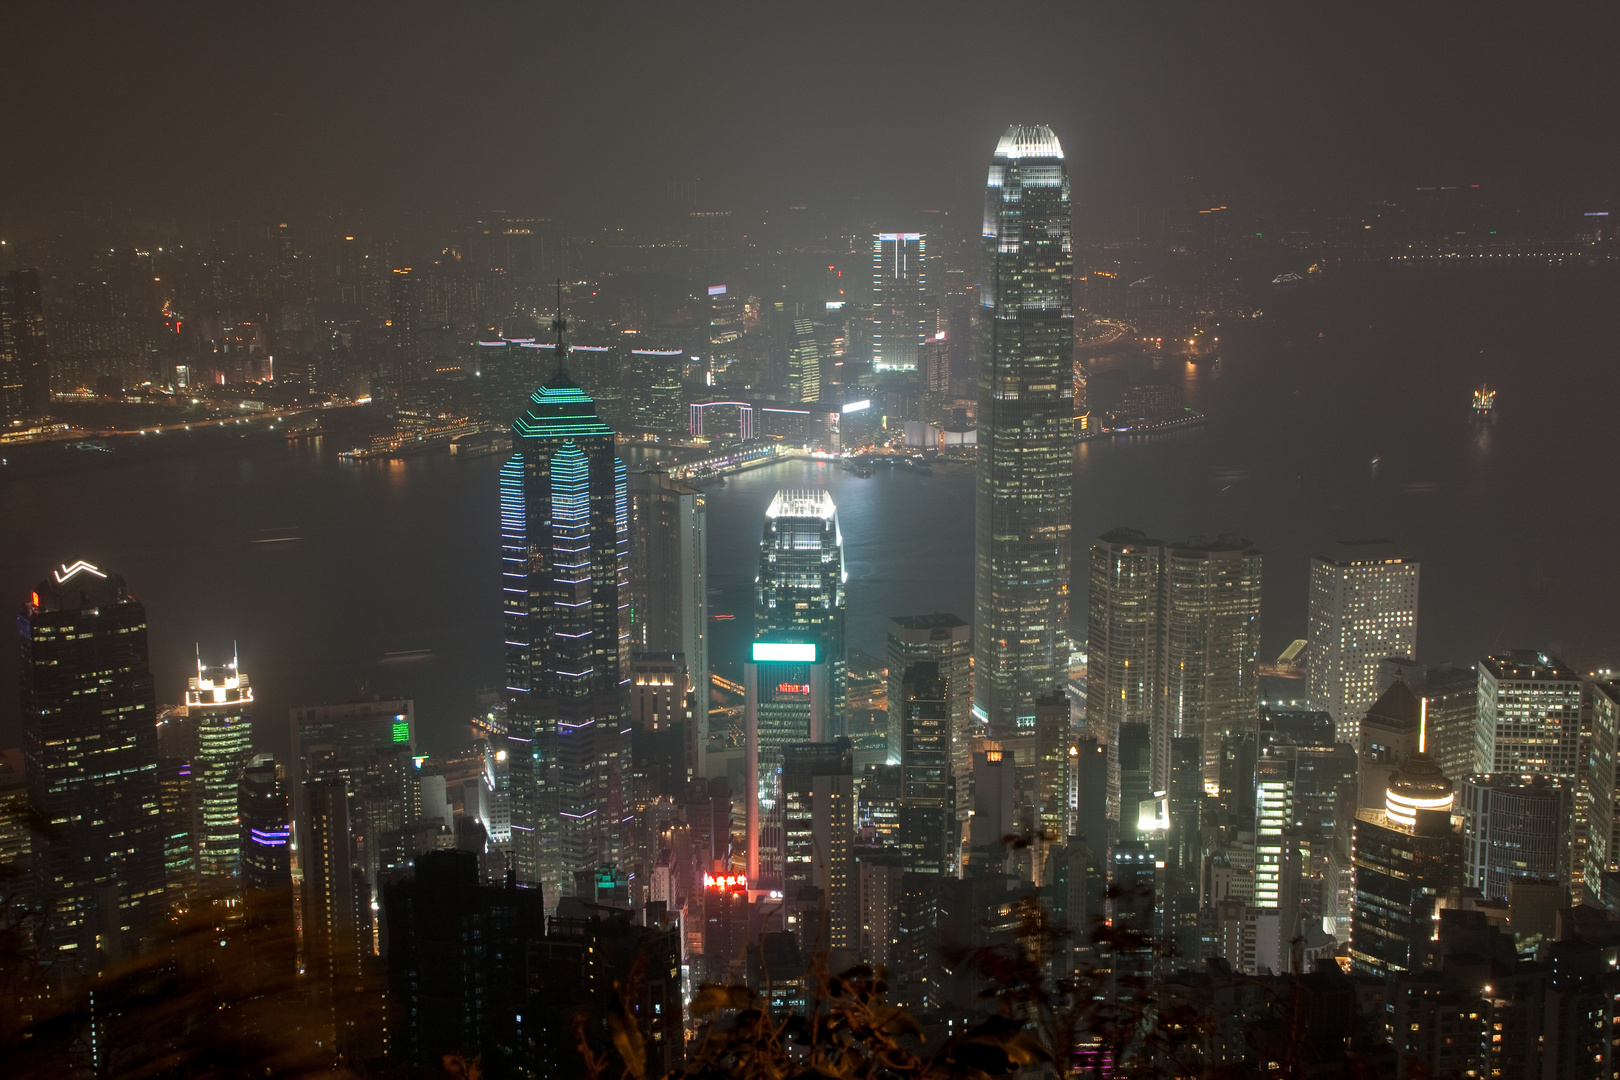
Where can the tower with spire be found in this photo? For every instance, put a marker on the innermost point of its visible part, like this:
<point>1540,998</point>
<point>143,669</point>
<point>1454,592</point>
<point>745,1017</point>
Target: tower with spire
<point>565,554</point>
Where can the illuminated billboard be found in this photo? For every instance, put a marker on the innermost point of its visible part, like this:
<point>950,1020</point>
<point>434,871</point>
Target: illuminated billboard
<point>789,652</point>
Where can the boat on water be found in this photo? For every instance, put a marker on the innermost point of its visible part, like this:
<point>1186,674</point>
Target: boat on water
<point>1484,401</point>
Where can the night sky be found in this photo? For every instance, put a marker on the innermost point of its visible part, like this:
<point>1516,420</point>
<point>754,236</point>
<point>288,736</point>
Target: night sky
<point>585,110</point>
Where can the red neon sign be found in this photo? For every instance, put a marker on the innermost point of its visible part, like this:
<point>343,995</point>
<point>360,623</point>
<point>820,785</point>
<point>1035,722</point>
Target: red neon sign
<point>792,688</point>
<point>731,882</point>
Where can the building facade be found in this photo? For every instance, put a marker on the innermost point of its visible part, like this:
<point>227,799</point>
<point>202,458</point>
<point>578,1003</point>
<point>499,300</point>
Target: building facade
<point>948,641</point>
<point>900,321</point>
<point>565,568</point>
<point>800,589</point>
<point>1361,611</point>
<point>1529,716</point>
<point>1514,827</point>
<point>927,790</point>
<point>219,703</point>
<point>1024,494</point>
<point>669,577</point>
<point>1211,650</point>
<point>90,741</point>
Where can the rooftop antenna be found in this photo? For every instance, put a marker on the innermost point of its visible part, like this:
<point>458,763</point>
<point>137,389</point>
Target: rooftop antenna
<point>1423,726</point>
<point>560,326</point>
<point>198,646</point>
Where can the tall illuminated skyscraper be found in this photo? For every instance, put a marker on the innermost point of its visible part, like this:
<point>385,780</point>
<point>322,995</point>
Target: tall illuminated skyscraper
<point>1025,491</point>
<point>899,284</point>
<point>1361,611</point>
<point>219,704</point>
<point>565,557</point>
<point>800,587</point>
<point>90,740</point>
<point>1211,659</point>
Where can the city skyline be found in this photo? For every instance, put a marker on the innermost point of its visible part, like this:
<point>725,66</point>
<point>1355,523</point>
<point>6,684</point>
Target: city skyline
<point>702,600</point>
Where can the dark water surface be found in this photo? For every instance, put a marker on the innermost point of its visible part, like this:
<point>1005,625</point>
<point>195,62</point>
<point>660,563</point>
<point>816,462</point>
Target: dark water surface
<point>382,577</point>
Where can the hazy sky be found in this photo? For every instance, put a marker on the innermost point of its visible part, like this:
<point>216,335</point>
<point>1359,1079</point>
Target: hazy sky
<point>280,108</point>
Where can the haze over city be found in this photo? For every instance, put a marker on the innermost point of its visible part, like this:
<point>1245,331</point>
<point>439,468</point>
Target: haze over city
<point>629,541</point>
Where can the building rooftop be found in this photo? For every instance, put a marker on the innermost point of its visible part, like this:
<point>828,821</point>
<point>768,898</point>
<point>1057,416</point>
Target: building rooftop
<point>1033,141</point>
<point>928,622</point>
<point>1528,664</point>
<point>814,503</point>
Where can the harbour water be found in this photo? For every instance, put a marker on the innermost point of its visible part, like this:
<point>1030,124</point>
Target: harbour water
<point>336,578</point>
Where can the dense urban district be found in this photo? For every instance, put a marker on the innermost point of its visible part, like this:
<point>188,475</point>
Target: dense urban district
<point>1026,839</point>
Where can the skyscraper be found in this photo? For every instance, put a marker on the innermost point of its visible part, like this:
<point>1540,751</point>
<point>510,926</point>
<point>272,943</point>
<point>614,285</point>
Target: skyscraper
<point>1602,782</point>
<point>1529,716</point>
<point>90,739</point>
<point>1361,610</point>
<point>818,827</point>
<point>1211,660</point>
<point>1125,618</point>
<point>927,817</point>
<point>25,386</point>
<point>1514,826</point>
<point>1406,856</point>
<point>1024,494</point>
<point>804,363</point>
<point>669,578</point>
<point>219,705</point>
<point>265,813</point>
<point>947,641</point>
<point>800,587</point>
<point>899,285</point>
<point>785,696</point>
<point>565,565</point>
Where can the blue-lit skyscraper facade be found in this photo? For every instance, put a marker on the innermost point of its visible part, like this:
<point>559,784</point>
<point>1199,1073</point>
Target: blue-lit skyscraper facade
<point>565,578</point>
<point>1026,440</point>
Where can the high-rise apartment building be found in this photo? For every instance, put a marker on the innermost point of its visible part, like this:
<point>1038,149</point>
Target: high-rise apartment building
<point>1024,494</point>
<point>900,321</point>
<point>669,577</point>
<point>219,704</point>
<point>1211,648</point>
<point>90,740</point>
<point>1361,611</point>
<point>927,816</point>
<point>565,564</point>
<point>947,641</point>
<point>1514,826</point>
<point>25,382</point>
<point>818,827</point>
<point>800,589</point>
<point>1529,716</point>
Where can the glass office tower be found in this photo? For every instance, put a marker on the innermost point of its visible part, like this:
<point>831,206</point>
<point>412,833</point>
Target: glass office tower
<point>219,703</point>
<point>900,320</point>
<point>90,738</point>
<point>800,587</point>
<point>1026,430</point>
<point>565,557</point>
